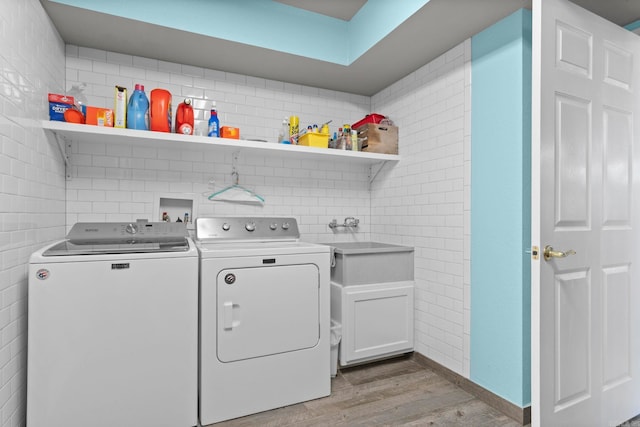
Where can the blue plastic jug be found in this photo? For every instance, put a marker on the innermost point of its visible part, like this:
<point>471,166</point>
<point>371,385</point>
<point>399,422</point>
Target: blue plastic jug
<point>138,109</point>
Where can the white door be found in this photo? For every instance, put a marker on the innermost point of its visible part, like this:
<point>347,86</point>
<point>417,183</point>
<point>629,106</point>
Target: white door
<point>585,162</point>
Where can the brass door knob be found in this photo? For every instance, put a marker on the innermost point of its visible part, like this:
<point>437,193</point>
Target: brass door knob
<point>550,253</point>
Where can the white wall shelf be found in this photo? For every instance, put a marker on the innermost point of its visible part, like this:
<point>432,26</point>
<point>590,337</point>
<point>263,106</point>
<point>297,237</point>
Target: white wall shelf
<point>96,134</point>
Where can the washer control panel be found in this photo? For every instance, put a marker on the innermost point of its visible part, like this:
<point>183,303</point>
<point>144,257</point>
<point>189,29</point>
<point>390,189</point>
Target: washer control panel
<point>100,232</point>
<point>247,228</point>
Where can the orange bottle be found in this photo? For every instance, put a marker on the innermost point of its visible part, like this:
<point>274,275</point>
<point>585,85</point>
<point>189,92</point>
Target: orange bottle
<point>160,110</point>
<point>184,118</point>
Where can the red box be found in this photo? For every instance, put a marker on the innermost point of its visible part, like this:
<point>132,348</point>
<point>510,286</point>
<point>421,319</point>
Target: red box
<point>58,104</point>
<point>369,118</point>
<point>229,132</point>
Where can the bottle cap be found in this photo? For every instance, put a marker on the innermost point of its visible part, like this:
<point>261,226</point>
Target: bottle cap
<point>187,101</point>
<point>139,87</point>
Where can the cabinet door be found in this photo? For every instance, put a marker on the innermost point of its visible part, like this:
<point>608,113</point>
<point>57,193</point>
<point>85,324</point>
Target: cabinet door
<point>377,321</point>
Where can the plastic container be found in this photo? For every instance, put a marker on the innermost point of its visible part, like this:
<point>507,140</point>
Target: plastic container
<point>80,99</point>
<point>214,122</point>
<point>160,110</point>
<point>138,109</point>
<point>314,139</point>
<point>369,118</point>
<point>184,118</point>
<point>73,115</point>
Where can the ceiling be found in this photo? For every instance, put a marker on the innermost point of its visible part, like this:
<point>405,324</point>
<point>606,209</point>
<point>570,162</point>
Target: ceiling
<point>339,9</point>
<point>435,28</point>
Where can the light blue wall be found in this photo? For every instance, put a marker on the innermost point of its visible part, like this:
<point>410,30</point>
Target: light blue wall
<point>633,26</point>
<point>501,209</point>
<point>268,24</point>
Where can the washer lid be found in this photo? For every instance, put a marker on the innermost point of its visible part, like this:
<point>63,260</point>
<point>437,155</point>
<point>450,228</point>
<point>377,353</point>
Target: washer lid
<point>121,237</point>
<point>68,248</point>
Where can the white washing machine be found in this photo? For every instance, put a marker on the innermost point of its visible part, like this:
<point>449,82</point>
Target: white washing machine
<point>264,316</point>
<point>112,334</point>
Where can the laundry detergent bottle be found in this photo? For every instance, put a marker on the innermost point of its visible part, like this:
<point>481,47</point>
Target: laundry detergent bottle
<point>160,110</point>
<point>184,118</point>
<point>138,109</point>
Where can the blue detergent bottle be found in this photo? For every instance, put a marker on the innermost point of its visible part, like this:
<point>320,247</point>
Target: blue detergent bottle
<point>138,109</point>
<point>214,122</point>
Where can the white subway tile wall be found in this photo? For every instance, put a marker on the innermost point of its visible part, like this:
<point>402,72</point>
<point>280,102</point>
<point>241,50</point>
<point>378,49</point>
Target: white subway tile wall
<point>424,200</point>
<point>112,182</point>
<point>32,180</point>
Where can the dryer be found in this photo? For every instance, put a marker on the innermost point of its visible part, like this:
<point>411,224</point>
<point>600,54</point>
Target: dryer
<point>264,316</point>
<point>112,334</point>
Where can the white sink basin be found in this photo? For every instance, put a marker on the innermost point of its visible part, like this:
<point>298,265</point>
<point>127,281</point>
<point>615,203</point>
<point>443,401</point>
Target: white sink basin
<point>360,263</point>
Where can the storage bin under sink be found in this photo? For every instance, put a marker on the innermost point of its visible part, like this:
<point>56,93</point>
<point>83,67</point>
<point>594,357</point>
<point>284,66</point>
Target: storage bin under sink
<point>359,263</point>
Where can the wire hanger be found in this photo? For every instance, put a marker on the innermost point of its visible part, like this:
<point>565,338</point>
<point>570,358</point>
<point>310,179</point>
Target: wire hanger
<point>236,193</point>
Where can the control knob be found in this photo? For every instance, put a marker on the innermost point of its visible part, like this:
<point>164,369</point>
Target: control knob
<point>250,226</point>
<point>131,228</point>
<point>226,226</point>
<point>273,226</point>
<point>285,225</point>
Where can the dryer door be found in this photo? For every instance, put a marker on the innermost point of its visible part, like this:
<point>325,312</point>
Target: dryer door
<point>267,310</point>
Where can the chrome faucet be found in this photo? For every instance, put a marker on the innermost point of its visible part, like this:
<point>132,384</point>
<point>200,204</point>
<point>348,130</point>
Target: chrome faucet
<point>348,222</point>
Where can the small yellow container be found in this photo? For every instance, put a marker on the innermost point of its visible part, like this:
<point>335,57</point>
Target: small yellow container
<point>314,139</point>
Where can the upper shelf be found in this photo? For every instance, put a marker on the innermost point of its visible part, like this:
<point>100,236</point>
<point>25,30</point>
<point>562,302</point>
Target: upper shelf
<point>88,133</point>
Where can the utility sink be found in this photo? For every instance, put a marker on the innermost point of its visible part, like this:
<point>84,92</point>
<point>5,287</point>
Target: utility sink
<point>360,263</point>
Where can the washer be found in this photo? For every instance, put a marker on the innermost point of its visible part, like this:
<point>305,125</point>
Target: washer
<point>112,335</point>
<point>264,316</point>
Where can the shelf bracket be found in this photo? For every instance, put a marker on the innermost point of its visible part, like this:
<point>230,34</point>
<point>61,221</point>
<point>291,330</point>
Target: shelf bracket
<point>61,141</point>
<point>374,170</point>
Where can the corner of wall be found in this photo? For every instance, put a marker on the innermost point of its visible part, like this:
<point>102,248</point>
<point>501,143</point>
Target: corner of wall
<point>500,193</point>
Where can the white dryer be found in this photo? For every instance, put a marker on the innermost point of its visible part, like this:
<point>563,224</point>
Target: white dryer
<point>112,334</point>
<point>264,316</point>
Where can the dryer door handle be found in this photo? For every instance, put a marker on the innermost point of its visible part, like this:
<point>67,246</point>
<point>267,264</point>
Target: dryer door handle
<point>227,315</point>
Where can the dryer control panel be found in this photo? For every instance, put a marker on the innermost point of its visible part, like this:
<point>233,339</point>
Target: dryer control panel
<point>246,228</point>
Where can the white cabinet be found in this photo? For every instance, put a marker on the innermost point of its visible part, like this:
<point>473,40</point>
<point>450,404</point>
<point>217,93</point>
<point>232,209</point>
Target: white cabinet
<point>377,320</point>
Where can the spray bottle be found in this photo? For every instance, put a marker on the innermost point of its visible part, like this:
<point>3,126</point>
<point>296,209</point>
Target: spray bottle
<point>214,122</point>
<point>283,136</point>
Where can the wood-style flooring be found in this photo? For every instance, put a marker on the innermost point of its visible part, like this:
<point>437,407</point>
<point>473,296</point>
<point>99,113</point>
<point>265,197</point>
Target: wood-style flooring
<point>395,392</point>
